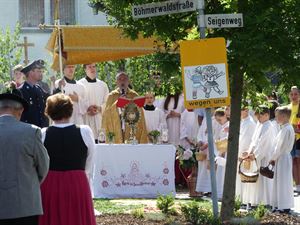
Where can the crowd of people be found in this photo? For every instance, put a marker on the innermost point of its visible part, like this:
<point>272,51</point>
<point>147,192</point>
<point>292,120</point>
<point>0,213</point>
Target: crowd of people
<point>59,129</point>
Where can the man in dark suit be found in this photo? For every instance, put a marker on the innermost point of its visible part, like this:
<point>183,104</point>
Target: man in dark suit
<point>34,95</point>
<point>24,163</point>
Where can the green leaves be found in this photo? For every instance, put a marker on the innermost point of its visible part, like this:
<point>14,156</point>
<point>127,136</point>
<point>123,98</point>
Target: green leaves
<point>9,54</point>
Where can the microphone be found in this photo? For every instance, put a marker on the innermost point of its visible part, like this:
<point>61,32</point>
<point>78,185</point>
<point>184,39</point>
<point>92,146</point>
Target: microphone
<point>122,91</point>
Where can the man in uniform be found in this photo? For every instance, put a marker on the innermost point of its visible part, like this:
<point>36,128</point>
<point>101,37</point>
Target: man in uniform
<point>112,121</point>
<point>34,95</point>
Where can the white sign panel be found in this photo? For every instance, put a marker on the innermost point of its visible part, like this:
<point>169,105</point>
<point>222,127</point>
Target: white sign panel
<point>163,8</point>
<point>223,20</point>
<point>205,81</point>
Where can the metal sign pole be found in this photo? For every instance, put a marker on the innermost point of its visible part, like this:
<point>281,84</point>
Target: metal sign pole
<point>201,24</point>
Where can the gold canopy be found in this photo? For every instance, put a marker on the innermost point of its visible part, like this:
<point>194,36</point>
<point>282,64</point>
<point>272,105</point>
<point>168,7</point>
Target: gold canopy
<point>84,45</point>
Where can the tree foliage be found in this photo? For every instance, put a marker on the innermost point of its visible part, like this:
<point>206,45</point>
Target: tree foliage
<point>9,54</point>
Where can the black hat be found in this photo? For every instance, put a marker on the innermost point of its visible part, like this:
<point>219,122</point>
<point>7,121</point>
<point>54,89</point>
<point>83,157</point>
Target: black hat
<point>39,64</point>
<point>11,93</point>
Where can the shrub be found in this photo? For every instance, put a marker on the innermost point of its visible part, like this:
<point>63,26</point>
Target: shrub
<point>259,212</point>
<point>138,213</point>
<point>198,215</point>
<point>166,204</point>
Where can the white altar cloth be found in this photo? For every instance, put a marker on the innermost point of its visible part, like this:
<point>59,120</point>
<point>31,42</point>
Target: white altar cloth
<point>133,171</point>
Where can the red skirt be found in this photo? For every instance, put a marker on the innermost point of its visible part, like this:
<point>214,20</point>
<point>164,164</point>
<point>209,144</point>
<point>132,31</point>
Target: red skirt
<point>67,199</point>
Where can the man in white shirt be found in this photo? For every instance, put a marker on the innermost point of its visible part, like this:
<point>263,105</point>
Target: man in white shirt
<point>76,91</point>
<point>97,92</point>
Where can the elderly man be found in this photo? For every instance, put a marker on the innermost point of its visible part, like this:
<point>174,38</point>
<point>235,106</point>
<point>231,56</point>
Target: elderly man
<point>112,119</point>
<point>34,95</point>
<point>24,163</point>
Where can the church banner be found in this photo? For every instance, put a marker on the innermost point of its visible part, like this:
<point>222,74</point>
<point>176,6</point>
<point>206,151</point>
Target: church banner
<point>205,73</point>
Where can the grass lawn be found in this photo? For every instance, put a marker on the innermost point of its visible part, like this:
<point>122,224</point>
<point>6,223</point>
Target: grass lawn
<point>121,206</point>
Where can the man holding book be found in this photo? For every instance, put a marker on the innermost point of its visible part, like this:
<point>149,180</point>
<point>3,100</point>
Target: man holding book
<point>113,120</point>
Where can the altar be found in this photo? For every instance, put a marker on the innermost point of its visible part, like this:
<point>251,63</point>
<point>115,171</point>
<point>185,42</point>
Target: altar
<point>133,171</point>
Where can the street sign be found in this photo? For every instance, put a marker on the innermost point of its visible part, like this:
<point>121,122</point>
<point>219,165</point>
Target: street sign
<point>205,73</point>
<point>163,8</point>
<point>223,20</point>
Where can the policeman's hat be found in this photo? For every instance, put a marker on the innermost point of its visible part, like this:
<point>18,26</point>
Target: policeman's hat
<point>9,92</point>
<point>37,64</point>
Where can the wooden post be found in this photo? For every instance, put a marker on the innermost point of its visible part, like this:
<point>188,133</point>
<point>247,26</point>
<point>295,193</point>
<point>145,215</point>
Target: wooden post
<point>25,45</point>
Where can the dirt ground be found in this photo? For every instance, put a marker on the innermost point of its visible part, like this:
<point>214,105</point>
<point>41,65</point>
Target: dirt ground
<point>128,219</point>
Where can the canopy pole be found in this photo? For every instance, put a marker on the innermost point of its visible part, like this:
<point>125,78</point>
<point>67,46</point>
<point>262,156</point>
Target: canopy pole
<point>57,25</point>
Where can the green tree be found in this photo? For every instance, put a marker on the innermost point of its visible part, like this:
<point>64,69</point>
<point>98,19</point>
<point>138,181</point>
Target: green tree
<point>9,54</point>
<point>269,41</point>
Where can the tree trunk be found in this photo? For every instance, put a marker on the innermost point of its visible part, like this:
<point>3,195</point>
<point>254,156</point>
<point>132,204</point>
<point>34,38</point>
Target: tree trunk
<point>233,144</point>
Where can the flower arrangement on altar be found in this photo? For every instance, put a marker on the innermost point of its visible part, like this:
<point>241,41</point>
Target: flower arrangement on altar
<point>110,136</point>
<point>187,157</point>
<point>153,136</point>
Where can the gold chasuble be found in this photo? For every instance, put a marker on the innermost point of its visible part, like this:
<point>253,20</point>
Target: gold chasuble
<point>111,121</point>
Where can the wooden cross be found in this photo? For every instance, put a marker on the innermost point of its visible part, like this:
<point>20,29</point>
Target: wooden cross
<point>25,45</point>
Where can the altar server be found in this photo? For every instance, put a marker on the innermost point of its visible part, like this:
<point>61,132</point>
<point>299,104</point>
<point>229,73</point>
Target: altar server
<point>173,107</point>
<point>75,91</point>
<point>97,92</point>
<point>189,127</point>
<point>154,117</point>
<point>203,178</point>
<point>247,128</point>
<point>282,195</point>
<point>221,134</point>
<point>261,150</point>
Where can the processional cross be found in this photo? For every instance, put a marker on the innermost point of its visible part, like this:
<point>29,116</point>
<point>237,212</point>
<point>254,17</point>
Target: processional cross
<point>25,45</point>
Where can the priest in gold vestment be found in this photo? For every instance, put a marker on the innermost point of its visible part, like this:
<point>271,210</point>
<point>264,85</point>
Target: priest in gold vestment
<point>112,121</point>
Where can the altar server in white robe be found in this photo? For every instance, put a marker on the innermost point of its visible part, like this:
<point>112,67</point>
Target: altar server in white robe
<point>189,127</point>
<point>97,92</point>
<point>69,86</point>
<point>247,129</point>
<point>154,117</point>
<point>282,196</point>
<point>173,107</point>
<point>203,178</point>
<point>220,159</point>
<point>261,149</point>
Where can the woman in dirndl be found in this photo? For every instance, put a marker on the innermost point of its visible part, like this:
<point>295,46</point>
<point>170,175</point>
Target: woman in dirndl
<point>66,194</point>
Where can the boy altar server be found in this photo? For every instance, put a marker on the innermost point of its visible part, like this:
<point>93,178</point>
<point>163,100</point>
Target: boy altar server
<point>189,127</point>
<point>247,128</point>
<point>76,91</point>
<point>282,195</point>
<point>97,93</point>
<point>154,117</point>
<point>261,149</point>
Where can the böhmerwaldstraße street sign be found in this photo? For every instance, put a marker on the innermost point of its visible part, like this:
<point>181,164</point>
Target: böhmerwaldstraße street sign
<point>163,8</point>
<point>223,20</point>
